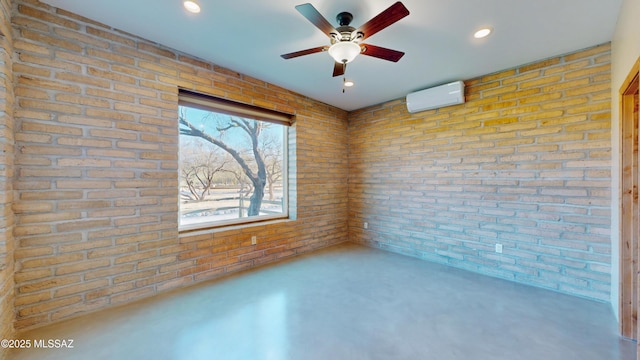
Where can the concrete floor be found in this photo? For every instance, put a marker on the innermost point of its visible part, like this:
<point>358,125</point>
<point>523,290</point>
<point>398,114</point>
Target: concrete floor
<point>346,302</point>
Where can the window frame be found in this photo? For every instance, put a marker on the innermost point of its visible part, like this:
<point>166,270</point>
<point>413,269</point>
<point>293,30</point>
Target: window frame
<point>218,105</point>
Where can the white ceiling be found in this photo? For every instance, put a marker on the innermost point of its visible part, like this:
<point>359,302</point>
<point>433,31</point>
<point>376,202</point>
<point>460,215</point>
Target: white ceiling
<point>249,36</point>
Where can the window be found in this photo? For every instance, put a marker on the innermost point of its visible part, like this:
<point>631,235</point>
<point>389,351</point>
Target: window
<point>233,162</point>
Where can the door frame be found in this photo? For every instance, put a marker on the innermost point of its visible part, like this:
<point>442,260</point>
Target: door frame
<point>629,205</point>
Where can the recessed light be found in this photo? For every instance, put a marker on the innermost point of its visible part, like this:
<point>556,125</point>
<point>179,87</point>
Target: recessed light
<point>482,33</point>
<point>191,6</point>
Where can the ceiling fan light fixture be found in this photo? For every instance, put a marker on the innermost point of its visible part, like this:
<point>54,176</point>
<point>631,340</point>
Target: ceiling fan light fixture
<point>191,6</point>
<point>348,83</point>
<point>344,51</point>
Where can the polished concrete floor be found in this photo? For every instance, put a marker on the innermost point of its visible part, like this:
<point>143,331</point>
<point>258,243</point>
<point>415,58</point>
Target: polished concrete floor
<point>346,302</point>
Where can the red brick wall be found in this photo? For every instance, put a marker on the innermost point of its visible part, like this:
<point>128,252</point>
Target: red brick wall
<point>7,154</point>
<point>525,163</point>
<point>97,133</point>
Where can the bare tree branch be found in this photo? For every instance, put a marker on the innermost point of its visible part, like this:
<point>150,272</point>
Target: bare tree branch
<point>194,131</point>
<point>253,129</point>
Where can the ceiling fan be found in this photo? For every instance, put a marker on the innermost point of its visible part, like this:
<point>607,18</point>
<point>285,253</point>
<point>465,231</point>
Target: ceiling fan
<point>346,41</point>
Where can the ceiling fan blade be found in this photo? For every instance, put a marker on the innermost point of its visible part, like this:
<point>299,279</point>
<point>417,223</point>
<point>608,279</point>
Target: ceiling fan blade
<point>389,16</point>
<point>309,12</point>
<point>304,52</point>
<point>381,53</point>
<point>339,69</point>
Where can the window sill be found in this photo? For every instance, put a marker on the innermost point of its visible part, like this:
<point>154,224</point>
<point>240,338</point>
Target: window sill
<point>184,232</point>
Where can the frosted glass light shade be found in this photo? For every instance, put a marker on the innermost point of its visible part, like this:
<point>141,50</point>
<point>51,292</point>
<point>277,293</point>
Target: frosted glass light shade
<point>344,51</point>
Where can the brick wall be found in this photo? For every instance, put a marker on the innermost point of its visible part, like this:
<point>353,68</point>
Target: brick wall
<point>524,163</point>
<point>97,132</point>
<point>7,143</point>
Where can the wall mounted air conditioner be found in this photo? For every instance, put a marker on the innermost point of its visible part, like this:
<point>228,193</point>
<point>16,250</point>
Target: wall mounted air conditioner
<point>436,97</point>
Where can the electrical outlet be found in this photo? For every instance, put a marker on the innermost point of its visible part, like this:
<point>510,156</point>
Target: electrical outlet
<point>254,240</point>
<point>366,225</point>
<point>499,248</point>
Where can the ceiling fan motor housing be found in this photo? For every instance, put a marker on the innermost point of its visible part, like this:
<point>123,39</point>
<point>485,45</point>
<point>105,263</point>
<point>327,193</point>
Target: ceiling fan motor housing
<point>344,18</point>
<point>344,30</point>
